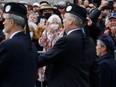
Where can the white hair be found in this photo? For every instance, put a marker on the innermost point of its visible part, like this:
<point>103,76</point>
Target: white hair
<point>50,20</point>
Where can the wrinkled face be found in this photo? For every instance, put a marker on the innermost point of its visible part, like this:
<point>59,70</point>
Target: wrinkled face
<point>33,18</point>
<point>112,23</point>
<point>99,48</point>
<point>7,23</point>
<point>54,21</point>
<point>54,24</point>
<point>66,22</point>
<point>35,8</point>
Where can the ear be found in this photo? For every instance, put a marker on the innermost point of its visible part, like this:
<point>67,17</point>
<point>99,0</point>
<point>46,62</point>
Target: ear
<point>12,21</point>
<point>71,21</point>
<point>104,48</point>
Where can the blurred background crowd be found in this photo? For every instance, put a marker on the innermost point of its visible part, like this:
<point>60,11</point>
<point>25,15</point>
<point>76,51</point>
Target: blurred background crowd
<point>46,23</point>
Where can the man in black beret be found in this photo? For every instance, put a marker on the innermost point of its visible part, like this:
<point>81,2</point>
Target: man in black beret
<point>105,52</point>
<point>72,60</point>
<point>18,56</point>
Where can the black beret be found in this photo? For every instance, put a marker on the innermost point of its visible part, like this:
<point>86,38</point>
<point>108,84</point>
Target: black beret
<point>77,10</point>
<point>61,5</point>
<point>20,10</point>
<point>15,8</point>
<point>108,41</point>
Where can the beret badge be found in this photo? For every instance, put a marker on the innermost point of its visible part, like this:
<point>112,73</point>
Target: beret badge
<point>69,8</point>
<point>8,8</point>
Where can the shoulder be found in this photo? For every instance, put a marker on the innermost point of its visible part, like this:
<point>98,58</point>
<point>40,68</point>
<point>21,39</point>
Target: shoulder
<point>110,63</point>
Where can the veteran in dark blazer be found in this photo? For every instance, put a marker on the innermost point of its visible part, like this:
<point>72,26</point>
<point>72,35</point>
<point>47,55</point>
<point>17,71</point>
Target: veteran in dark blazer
<point>105,52</point>
<point>72,60</point>
<point>18,57</point>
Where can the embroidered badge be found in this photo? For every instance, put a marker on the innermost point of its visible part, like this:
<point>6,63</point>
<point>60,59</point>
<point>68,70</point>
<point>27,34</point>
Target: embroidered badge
<point>69,8</point>
<point>8,8</point>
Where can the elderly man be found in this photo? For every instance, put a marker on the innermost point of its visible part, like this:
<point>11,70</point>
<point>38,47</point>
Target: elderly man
<point>111,25</point>
<point>18,57</point>
<point>72,60</point>
<point>105,52</point>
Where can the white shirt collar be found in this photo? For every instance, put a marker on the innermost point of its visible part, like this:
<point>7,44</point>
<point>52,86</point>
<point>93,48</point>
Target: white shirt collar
<point>72,30</point>
<point>15,33</point>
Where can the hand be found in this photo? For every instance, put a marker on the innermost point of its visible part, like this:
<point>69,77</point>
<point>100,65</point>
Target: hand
<point>107,32</point>
<point>103,4</point>
<point>89,22</point>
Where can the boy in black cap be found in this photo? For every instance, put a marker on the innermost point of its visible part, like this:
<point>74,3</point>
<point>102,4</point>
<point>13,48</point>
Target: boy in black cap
<point>18,56</point>
<point>72,60</point>
<point>105,52</point>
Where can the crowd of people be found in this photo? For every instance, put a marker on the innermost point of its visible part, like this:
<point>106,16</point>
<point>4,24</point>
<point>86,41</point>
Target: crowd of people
<point>63,45</point>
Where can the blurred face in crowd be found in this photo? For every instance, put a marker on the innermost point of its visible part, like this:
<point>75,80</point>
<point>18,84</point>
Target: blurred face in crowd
<point>7,23</point>
<point>86,3</point>
<point>107,11</point>
<point>1,12</point>
<point>33,18</point>
<point>79,2</point>
<point>114,7</point>
<point>54,25</point>
<point>62,10</point>
<point>54,22</point>
<point>35,8</point>
<point>112,23</point>
<point>48,11</point>
<point>66,22</point>
<point>100,48</point>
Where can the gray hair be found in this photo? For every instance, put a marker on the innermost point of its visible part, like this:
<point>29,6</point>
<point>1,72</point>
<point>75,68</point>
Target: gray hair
<point>50,19</point>
<point>77,20</point>
<point>18,19</point>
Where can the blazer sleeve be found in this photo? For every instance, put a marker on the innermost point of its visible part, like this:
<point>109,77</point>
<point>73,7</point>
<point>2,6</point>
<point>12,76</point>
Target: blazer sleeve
<point>94,15</point>
<point>4,58</point>
<point>54,54</point>
<point>95,74</point>
<point>105,72</point>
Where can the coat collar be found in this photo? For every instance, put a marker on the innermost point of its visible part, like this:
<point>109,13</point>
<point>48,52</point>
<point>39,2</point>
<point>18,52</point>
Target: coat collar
<point>108,55</point>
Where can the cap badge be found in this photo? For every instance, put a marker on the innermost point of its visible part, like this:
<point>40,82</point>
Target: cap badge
<point>69,8</point>
<point>8,8</point>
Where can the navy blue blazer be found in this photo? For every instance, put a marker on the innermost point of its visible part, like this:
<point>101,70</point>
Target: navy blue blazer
<point>18,64</point>
<point>108,70</point>
<point>71,62</point>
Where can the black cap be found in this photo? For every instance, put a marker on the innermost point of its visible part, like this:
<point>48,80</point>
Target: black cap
<point>77,10</point>
<point>15,8</point>
<point>108,41</point>
<point>20,10</point>
<point>61,5</point>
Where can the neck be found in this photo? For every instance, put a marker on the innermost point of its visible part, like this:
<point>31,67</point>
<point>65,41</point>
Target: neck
<point>102,54</point>
<point>71,28</point>
<point>15,29</point>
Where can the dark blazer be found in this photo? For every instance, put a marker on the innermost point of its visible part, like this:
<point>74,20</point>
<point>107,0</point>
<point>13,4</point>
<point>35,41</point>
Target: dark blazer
<point>18,63</point>
<point>71,62</point>
<point>108,70</point>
